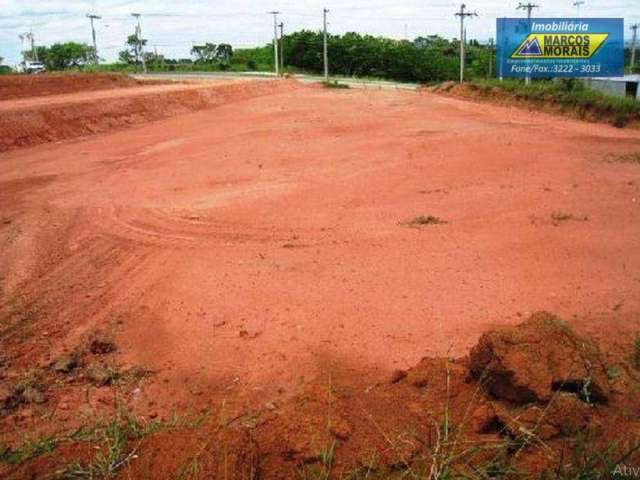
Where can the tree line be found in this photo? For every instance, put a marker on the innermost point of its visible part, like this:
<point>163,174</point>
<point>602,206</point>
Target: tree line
<point>423,60</point>
<point>426,59</point>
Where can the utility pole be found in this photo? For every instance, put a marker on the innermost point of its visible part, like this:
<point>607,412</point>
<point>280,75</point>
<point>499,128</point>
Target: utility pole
<point>490,57</point>
<point>463,15</point>
<point>281,48</point>
<point>91,18</point>
<point>140,44</point>
<point>325,49</point>
<point>34,51</point>
<point>578,4</point>
<point>529,8</point>
<point>22,38</point>
<point>633,46</point>
<point>275,41</point>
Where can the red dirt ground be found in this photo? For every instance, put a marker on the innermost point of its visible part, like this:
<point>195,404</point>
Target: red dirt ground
<point>26,86</point>
<point>245,251</point>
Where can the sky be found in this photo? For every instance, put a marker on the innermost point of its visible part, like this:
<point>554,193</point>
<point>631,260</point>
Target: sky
<point>173,27</point>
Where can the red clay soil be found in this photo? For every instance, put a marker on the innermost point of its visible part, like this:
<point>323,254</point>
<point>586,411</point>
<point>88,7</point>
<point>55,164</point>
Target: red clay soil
<point>27,86</point>
<point>255,254</point>
<point>32,121</point>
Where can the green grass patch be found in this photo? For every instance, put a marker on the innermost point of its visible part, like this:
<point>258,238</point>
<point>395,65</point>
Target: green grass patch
<point>336,84</point>
<point>571,95</point>
<point>30,448</point>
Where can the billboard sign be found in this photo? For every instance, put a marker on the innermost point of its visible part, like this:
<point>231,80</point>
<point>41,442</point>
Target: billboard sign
<point>560,47</point>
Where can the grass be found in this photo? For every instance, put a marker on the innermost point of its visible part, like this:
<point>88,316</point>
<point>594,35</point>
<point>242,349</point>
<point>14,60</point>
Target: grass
<point>633,158</point>
<point>559,217</point>
<point>322,470</point>
<point>113,444</point>
<point>584,459</point>
<point>424,220</point>
<point>569,94</point>
<point>335,84</point>
<point>31,448</point>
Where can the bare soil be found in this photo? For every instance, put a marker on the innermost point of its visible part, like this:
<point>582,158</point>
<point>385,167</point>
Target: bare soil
<point>249,256</point>
<point>28,86</point>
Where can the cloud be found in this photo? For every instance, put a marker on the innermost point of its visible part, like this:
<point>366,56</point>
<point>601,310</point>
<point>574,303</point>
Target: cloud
<point>172,27</point>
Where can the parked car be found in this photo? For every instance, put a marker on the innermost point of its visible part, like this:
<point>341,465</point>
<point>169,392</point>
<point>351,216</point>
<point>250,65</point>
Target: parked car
<point>31,68</point>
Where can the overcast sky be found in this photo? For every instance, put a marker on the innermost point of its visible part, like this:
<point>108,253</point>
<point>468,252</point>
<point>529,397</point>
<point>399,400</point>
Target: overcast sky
<point>172,27</point>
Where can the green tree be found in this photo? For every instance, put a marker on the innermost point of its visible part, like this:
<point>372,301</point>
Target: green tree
<point>206,53</point>
<point>224,52</point>
<point>133,53</point>
<point>61,56</point>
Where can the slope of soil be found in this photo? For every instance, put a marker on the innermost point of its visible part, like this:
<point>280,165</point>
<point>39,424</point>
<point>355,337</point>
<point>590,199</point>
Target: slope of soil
<point>50,119</point>
<point>597,109</point>
<point>279,258</point>
<point>28,86</point>
<point>435,420</point>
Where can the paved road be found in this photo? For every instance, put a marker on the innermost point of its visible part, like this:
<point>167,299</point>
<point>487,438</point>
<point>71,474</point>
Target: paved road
<point>352,82</point>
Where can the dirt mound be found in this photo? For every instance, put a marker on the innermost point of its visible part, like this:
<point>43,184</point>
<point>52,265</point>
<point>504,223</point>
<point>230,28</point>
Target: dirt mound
<point>24,86</point>
<point>51,122</point>
<point>430,422</point>
<point>531,362</point>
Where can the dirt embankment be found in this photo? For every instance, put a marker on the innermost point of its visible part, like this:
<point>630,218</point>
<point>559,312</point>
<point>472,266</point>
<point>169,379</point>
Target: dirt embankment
<point>23,124</point>
<point>25,86</point>
<point>586,109</point>
<point>531,400</point>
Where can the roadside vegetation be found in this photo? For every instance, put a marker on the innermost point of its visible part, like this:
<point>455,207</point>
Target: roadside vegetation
<point>569,95</point>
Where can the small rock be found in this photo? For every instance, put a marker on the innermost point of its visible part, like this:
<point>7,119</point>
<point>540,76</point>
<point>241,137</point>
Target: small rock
<point>271,406</point>
<point>8,398</point>
<point>101,346</point>
<point>398,375</point>
<point>66,364</point>
<point>32,395</point>
<point>340,429</point>
<point>483,420</point>
<point>99,375</point>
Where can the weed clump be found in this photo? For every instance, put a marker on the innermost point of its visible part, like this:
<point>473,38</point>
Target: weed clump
<point>336,84</point>
<point>424,220</point>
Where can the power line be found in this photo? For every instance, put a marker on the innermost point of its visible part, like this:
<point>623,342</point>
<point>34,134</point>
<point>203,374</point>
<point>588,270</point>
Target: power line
<point>463,15</point>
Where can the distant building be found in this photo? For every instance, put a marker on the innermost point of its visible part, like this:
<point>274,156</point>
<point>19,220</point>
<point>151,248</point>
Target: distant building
<point>627,86</point>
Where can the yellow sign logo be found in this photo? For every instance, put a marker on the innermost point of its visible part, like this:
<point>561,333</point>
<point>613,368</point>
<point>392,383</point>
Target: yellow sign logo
<point>560,45</point>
